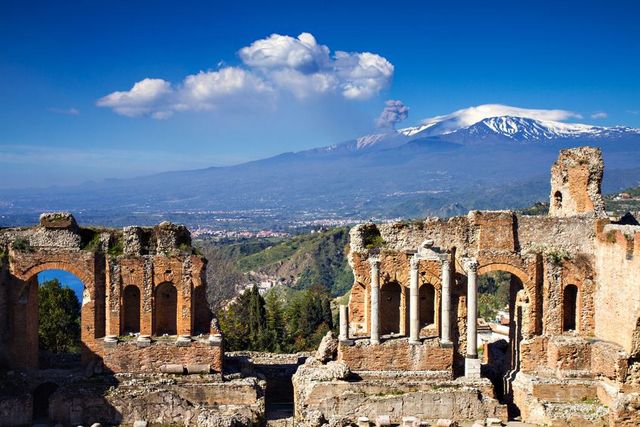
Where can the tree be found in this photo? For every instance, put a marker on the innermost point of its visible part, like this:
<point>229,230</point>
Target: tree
<point>59,313</point>
<point>243,322</point>
<point>275,336</point>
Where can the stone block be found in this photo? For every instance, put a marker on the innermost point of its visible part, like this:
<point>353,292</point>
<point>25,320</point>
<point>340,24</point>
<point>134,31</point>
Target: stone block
<point>140,424</point>
<point>58,220</point>
<point>472,368</point>
<point>409,422</point>
<point>363,422</point>
<point>183,341</point>
<point>172,369</point>
<point>383,420</point>
<point>198,368</point>
<point>143,341</point>
<point>445,422</point>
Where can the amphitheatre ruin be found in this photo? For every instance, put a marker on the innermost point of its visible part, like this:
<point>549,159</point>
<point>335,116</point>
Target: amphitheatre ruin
<point>407,352</point>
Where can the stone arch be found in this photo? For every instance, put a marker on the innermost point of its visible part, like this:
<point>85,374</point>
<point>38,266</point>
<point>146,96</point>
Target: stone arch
<point>131,301</point>
<point>165,309</point>
<point>25,269</point>
<point>570,295</point>
<point>390,307</point>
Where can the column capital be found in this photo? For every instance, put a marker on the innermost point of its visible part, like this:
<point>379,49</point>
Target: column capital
<point>375,262</point>
<point>471,265</point>
<point>445,262</point>
<point>414,262</point>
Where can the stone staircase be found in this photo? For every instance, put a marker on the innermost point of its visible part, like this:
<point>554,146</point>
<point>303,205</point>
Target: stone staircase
<point>570,399</point>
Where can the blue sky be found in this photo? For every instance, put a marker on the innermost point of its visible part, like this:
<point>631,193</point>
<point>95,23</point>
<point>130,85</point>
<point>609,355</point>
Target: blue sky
<point>66,68</point>
<point>68,280</point>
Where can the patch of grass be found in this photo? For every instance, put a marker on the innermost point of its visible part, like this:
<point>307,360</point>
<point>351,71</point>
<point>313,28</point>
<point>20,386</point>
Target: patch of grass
<point>92,244</point>
<point>116,248</point>
<point>22,245</point>
<point>556,256</point>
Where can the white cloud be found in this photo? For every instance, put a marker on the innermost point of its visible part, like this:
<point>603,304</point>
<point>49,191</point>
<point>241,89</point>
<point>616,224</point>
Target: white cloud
<point>599,115</point>
<point>148,96</point>
<point>272,66</point>
<point>472,115</point>
<point>302,54</point>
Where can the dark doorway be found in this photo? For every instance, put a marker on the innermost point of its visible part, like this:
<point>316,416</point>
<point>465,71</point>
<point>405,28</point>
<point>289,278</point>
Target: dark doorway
<point>427,304</point>
<point>390,295</point>
<point>569,302</point>
<point>41,399</point>
<point>166,308</point>
<point>201,312</point>
<point>131,308</point>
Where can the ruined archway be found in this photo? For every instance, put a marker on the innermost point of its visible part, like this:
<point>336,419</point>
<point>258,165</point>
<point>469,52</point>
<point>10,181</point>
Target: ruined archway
<point>166,309</point>
<point>390,299</point>
<point>130,309</point>
<point>504,303</point>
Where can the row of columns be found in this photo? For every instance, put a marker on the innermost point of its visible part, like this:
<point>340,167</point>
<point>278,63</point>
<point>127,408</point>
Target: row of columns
<point>472,363</point>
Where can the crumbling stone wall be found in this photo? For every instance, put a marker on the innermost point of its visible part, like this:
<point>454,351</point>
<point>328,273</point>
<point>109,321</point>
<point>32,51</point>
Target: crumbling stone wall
<point>105,261</point>
<point>557,354</point>
<point>575,183</point>
<point>617,298</point>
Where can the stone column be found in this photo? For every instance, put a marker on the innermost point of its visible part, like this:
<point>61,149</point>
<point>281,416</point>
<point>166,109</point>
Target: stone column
<point>375,297</point>
<point>472,363</point>
<point>344,323</point>
<point>445,321</point>
<point>414,302</point>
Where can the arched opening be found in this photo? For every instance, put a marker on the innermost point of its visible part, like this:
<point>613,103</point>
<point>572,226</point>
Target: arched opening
<point>130,310</point>
<point>557,199</point>
<point>59,318</point>
<point>427,305</point>
<point>500,330</point>
<point>569,308</point>
<point>166,309</point>
<point>390,296</point>
<point>41,399</point>
<point>201,312</point>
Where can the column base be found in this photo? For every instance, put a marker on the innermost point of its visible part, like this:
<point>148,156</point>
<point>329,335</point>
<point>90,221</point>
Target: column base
<point>415,342</point>
<point>374,340</point>
<point>446,344</point>
<point>472,367</point>
<point>346,341</point>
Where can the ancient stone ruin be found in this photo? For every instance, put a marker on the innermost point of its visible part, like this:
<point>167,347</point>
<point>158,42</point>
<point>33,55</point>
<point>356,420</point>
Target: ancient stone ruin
<point>407,350</point>
<point>408,338</point>
<point>150,350</point>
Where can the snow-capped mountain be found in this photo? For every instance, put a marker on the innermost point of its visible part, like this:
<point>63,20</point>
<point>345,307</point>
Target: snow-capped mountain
<point>496,123</point>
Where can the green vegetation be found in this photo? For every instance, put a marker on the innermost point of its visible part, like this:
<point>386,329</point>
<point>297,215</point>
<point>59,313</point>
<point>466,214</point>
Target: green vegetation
<point>493,293</point>
<point>371,238</point>
<point>283,321</point>
<point>300,262</point>
<point>538,208</point>
<point>59,314</point>
<point>22,245</point>
<point>115,247</point>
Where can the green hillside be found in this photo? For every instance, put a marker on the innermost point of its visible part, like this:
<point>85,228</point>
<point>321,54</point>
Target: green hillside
<point>299,262</point>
